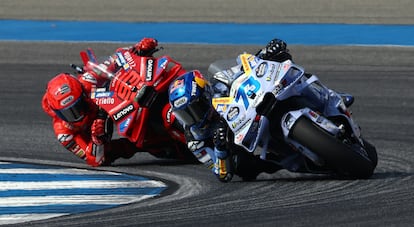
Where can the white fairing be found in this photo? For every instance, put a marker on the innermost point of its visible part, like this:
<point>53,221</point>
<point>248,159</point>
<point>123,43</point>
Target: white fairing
<point>283,80</point>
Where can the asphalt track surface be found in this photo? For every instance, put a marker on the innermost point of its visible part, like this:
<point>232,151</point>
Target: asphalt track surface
<point>381,79</point>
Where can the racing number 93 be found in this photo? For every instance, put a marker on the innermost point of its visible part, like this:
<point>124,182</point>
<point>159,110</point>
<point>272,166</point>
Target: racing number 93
<point>247,89</point>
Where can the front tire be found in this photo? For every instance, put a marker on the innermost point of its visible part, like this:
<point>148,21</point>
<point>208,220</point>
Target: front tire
<point>340,157</point>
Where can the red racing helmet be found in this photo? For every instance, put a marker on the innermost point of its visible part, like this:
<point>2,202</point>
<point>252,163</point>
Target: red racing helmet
<point>66,97</point>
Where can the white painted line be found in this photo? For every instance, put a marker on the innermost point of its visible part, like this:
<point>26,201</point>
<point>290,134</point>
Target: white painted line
<point>20,218</point>
<point>21,185</point>
<point>55,171</point>
<point>71,200</point>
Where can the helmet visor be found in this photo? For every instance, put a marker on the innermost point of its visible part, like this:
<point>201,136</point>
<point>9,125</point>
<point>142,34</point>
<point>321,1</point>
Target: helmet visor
<point>194,113</point>
<point>74,112</point>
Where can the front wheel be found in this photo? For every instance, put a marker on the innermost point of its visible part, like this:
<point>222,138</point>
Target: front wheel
<point>346,160</point>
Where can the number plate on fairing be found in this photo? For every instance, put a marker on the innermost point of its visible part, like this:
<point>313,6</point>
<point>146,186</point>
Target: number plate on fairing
<point>247,91</point>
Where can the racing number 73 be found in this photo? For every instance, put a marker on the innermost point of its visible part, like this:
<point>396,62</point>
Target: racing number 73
<point>247,89</point>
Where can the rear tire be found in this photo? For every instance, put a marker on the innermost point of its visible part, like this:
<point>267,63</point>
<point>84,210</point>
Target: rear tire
<point>372,152</point>
<point>340,157</point>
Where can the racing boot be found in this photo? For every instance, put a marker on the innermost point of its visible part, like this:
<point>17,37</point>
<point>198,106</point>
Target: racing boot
<point>119,148</point>
<point>224,166</point>
<point>248,166</point>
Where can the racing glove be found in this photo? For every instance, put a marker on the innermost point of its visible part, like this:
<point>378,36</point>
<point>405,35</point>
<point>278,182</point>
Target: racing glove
<point>275,50</point>
<point>276,46</point>
<point>146,47</point>
<point>219,138</point>
<point>98,132</point>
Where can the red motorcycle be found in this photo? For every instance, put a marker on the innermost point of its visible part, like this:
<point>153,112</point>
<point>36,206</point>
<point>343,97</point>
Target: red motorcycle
<point>136,99</point>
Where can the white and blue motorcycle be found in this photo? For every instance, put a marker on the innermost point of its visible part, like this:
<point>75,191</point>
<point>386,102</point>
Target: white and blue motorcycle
<point>277,111</point>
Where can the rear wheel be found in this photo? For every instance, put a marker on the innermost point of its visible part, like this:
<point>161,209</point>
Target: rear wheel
<point>372,152</point>
<point>346,160</point>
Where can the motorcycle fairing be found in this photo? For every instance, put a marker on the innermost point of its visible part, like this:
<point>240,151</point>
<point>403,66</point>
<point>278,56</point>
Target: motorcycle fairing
<point>262,86</point>
<point>121,98</point>
<point>283,80</point>
<point>328,103</point>
<point>247,91</point>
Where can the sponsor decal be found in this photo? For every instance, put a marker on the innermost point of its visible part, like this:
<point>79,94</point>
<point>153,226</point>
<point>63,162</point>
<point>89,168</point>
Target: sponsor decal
<point>221,108</point>
<point>89,78</point>
<point>118,63</point>
<point>222,100</point>
<point>105,101</point>
<point>245,64</point>
<point>64,137</point>
<point>103,94</point>
<point>124,112</point>
<point>242,126</point>
<point>278,88</point>
<point>222,76</point>
<point>78,151</point>
<point>130,61</point>
<point>195,145</point>
<point>239,138</point>
<point>261,69</point>
<point>69,145</point>
<point>180,102</point>
<point>203,156</point>
<point>318,118</point>
<point>126,67</point>
<point>123,126</point>
<point>238,122</point>
<point>150,68</point>
<point>272,70</point>
<point>121,61</point>
<point>162,64</point>
<point>193,88</point>
<point>313,114</point>
<point>247,90</point>
<point>252,60</point>
<point>121,58</point>
<point>169,116</point>
<point>233,113</point>
<point>177,84</point>
<point>63,90</point>
<point>67,100</point>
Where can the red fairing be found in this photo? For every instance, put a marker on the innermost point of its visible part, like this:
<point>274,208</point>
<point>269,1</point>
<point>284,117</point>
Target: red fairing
<point>171,124</point>
<point>136,96</point>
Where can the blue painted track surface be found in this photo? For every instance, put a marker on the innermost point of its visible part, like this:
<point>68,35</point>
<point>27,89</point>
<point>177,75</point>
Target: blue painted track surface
<point>207,33</point>
<point>34,192</point>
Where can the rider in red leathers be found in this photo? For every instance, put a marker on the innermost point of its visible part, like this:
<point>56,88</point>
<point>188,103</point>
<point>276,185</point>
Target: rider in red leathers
<point>80,125</point>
